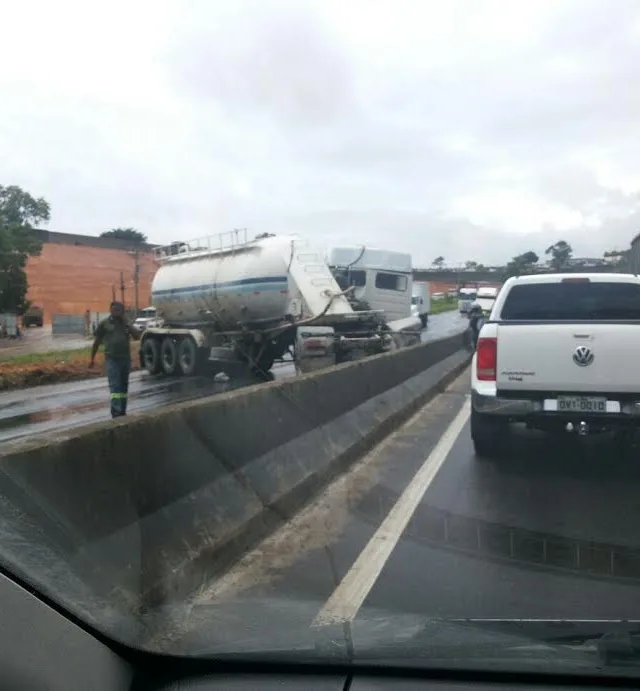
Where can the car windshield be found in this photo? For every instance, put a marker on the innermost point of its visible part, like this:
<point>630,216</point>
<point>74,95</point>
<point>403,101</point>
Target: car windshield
<point>248,403</point>
<point>573,301</point>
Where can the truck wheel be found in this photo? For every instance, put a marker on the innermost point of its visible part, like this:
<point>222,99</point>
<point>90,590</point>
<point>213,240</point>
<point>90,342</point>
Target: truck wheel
<point>169,356</point>
<point>150,355</point>
<point>190,357</point>
<point>258,358</point>
<point>261,367</point>
<point>423,320</point>
<point>489,435</point>
<point>264,364</point>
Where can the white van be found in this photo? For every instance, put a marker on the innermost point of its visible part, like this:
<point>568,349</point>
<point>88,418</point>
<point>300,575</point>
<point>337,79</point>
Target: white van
<point>421,301</point>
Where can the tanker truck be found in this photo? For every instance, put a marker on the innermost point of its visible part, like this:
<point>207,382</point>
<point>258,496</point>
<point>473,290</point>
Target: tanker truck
<point>224,301</point>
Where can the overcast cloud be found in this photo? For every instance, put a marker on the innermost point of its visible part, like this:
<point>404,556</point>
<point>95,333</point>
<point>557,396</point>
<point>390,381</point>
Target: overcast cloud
<point>472,130</point>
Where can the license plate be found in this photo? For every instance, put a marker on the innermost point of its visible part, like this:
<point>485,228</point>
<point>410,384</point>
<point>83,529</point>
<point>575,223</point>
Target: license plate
<point>582,404</point>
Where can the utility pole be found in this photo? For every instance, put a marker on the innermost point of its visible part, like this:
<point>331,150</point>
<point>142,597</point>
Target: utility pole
<point>135,253</point>
<point>113,293</point>
<point>136,280</point>
<point>122,286</point>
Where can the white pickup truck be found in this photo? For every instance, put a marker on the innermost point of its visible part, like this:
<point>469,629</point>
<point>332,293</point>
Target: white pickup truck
<point>559,352</point>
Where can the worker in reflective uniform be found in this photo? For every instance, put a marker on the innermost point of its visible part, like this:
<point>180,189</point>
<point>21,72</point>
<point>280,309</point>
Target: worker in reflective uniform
<point>116,333</point>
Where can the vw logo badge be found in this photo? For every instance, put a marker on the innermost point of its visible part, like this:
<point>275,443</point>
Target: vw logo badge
<point>583,356</point>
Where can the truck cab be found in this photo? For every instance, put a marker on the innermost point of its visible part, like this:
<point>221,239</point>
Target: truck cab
<point>381,279</point>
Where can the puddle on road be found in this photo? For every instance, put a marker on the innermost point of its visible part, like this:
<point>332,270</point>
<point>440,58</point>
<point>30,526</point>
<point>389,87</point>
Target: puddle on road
<point>47,415</point>
<point>153,393</point>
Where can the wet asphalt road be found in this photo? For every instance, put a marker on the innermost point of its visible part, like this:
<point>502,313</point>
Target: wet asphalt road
<point>42,409</point>
<point>551,531</point>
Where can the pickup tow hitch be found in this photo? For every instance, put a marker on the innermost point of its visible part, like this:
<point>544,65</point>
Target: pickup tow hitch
<point>582,429</point>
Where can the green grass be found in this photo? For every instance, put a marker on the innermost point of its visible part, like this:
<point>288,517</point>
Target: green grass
<point>446,305</point>
<point>34,369</point>
<point>50,357</point>
<point>54,357</point>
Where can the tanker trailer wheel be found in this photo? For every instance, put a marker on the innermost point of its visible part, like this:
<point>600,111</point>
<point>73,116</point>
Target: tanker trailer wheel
<point>169,356</point>
<point>150,355</point>
<point>263,361</point>
<point>258,359</point>
<point>191,359</point>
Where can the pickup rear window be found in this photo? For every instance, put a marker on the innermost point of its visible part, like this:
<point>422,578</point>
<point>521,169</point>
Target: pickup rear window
<point>572,301</point>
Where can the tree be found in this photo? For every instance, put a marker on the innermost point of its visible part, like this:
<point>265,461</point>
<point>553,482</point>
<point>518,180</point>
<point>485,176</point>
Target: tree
<point>19,213</point>
<point>438,262</point>
<point>131,234</point>
<point>471,266</point>
<point>521,264</point>
<point>560,254</point>
<point>617,258</point>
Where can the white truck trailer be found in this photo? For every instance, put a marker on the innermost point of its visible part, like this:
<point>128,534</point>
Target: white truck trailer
<point>223,301</point>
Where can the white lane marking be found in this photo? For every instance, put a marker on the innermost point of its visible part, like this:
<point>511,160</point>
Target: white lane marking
<point>347,598</point>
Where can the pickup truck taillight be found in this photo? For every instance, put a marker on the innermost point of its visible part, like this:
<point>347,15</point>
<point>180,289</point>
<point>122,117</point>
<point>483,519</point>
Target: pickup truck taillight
<point>486,359</point>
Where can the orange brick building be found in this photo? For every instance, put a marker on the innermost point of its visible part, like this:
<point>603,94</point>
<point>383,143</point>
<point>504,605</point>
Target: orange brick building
<point>76,273</point>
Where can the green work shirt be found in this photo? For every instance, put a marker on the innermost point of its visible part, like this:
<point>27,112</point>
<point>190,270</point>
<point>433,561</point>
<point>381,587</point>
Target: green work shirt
<point>115,335</point>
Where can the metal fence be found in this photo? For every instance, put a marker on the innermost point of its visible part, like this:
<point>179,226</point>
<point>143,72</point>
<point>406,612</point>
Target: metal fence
<point>69,325</point>
<point>490,540</point>
<point>9,326</point>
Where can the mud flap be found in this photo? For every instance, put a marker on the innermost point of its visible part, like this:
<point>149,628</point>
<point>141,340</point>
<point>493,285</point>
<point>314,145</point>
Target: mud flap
<point>314,348</point>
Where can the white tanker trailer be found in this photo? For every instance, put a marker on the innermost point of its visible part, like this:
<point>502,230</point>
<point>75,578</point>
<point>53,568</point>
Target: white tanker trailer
<point>223,300</point>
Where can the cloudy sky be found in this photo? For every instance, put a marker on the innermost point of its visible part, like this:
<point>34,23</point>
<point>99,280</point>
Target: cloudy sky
<point>472,129</point>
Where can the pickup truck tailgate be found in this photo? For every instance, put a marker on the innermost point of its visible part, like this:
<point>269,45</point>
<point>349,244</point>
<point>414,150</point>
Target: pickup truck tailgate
<point>584,357</point>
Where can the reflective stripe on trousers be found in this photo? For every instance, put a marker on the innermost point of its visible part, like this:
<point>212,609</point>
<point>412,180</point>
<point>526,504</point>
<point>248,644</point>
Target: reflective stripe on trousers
<point>118,378</point>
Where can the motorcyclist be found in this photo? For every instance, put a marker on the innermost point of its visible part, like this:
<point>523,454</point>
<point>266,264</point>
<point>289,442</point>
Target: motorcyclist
<point>476,318</point>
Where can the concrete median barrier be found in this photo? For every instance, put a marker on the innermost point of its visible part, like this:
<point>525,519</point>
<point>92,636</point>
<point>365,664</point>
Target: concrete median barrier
<point>144,510</point>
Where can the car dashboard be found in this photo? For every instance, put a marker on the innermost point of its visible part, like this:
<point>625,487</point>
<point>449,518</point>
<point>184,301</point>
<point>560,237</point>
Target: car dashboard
<point>43,648</point>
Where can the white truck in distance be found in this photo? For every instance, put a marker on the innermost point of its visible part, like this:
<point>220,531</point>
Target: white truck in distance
<point>486,298</point>
<point>559,353</point>
<point>146,318</point>
<point>466,297</point>
<point>421,302</point>
<point>224,301</point>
